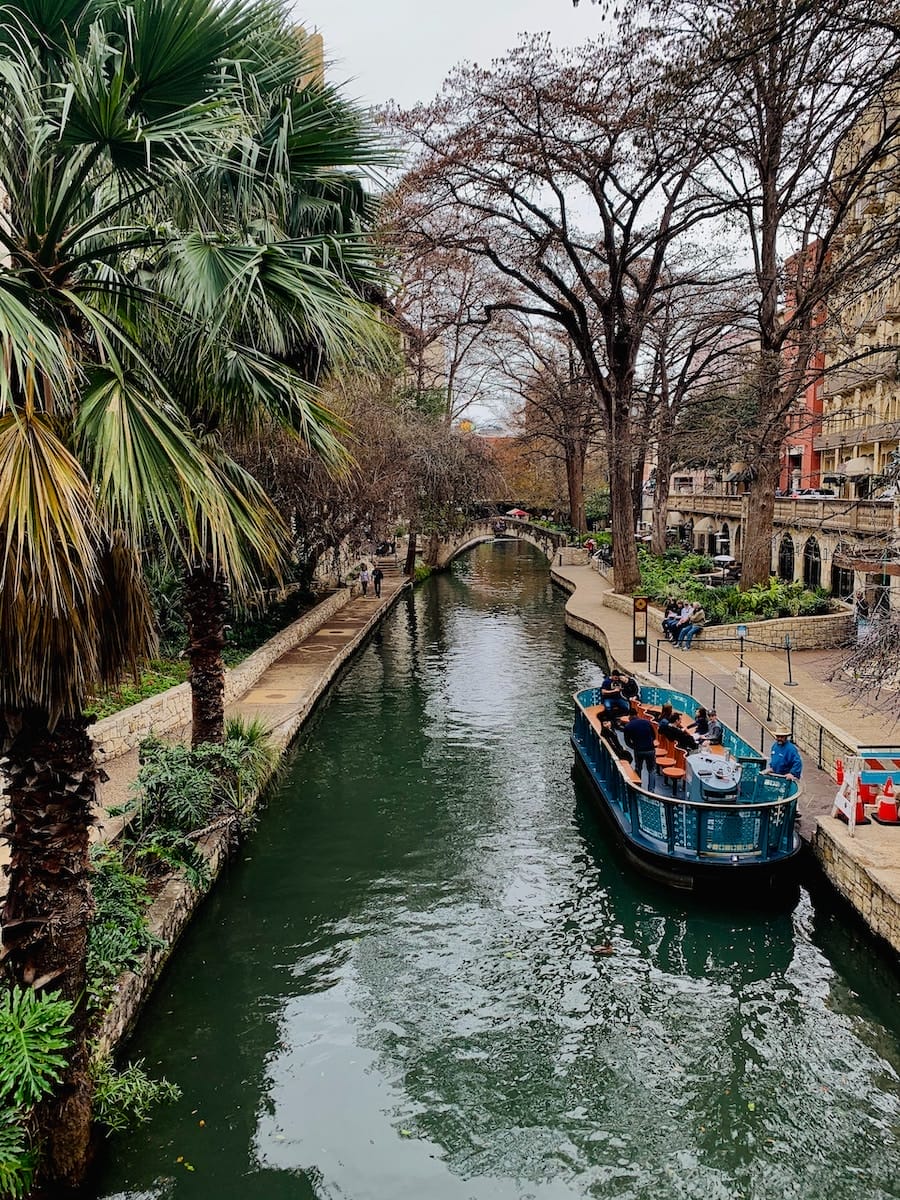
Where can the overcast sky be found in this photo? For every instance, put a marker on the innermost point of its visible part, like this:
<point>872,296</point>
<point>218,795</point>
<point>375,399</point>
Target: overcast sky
<point>403,49</point>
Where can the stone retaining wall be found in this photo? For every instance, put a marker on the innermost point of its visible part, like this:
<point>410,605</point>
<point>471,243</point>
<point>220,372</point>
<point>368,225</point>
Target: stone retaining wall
<point>807,633</point>
<point>878,906</point>
<point>125,730</point>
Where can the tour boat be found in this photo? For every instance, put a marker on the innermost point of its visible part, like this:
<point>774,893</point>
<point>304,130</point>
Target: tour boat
<point>713,819</point>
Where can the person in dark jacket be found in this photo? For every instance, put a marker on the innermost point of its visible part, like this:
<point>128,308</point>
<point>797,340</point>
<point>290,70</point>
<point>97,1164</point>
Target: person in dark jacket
<point>670,727</point>
<point>377,576</point>
<point>640,735</point>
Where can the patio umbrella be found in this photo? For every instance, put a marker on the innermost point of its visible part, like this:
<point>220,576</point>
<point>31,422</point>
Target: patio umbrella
<point>517,512</point>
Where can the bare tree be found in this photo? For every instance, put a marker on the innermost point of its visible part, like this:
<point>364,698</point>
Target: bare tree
<point>561,418</point>
<point>806,132</point>
<point>573,179</point>
<point>699,340</point>
<point>440,301</point>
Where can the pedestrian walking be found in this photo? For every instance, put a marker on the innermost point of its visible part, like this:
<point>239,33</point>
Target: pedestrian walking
<point>377,576</point>
<point>364,578</point>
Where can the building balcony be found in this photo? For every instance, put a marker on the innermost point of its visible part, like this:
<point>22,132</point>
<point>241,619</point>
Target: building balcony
<point>839,516</point>
<point>857,435</point>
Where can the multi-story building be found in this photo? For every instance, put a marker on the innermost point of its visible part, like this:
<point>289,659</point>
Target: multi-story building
<point>861,388</point>
<point>801,458</point>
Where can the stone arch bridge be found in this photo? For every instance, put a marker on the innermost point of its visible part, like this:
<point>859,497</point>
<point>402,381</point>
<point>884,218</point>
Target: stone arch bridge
<point>438,552</point>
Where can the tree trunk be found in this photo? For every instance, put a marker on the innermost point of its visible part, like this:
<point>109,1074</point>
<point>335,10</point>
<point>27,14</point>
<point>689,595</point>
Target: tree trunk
<point>409,566</point>
<point>661,491</point>
<point>626,575</point>
<point>756,555</point>
<point>575,484</point>
<point>52,777</point>
<point>206,604</point>
<point>637,480</point>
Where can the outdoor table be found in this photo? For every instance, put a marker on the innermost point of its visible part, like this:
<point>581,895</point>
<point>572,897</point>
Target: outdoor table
<point>711,777</point>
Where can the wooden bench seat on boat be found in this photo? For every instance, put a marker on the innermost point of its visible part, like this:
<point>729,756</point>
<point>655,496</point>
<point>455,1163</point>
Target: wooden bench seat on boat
<point>629,772</point>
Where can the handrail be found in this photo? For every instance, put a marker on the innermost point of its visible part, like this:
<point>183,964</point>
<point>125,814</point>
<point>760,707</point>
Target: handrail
<point>717,691</point>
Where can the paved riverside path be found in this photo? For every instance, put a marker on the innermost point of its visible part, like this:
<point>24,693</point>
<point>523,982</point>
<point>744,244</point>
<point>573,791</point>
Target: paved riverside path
<point>283,696</point>
<point>287,691</point>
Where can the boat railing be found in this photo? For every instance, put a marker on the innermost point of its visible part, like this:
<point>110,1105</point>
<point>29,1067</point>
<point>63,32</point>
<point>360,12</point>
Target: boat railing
<point>760,828</point>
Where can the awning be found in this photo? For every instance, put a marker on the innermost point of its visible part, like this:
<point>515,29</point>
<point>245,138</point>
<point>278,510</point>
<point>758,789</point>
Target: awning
<point>674,518</point>
<point>705,525</point>
<point>743,476</point>
<point>833,479</point>
<point>864,465</point>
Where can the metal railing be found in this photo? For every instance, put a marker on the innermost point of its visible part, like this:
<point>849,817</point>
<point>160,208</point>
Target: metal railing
<point>733,713</point>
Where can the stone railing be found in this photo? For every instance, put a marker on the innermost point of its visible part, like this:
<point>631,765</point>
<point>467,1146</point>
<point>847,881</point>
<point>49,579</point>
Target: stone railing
<point>856,516</point>
<point>125,730</point>
<point>807,633</point>
<point>439,552</point>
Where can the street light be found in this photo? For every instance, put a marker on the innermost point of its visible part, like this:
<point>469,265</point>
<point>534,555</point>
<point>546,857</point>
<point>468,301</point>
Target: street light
<point>789,682</point>
<point>742,633</point>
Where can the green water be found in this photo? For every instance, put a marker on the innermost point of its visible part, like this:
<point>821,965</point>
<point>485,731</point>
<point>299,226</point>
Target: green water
<point>391,994</point>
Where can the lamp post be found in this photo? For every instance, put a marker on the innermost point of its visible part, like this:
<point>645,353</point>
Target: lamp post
<point>742,633</point>
<point>789,682</point>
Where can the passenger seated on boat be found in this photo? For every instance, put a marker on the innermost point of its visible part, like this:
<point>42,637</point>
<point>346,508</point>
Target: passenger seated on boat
<point>699,727</point>
<point>670,727</point>
<point>629,685</point>
<point>611,696</point>
<point>640,735</point>
<point>715,734</point>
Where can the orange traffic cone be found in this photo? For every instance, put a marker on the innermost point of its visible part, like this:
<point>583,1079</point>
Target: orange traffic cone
<point>886,813</point>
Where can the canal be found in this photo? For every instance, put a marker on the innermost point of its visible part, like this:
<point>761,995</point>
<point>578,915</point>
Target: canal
<point>391,994</point>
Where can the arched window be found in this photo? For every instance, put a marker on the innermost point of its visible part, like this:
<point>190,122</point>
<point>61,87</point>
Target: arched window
<point>812,563</point>
<point>786,558</point>
<point>724,540</point>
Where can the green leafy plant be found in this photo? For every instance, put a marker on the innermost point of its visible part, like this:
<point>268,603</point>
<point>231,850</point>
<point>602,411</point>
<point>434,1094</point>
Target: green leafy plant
<point>250,754</point>
<point>675,575</point>
<point>421,572</point>
<point>119,935</point>
<point>35,1031</point>
<point>124,1098</point>
<point>17,1160</point>
<point>157,676</point>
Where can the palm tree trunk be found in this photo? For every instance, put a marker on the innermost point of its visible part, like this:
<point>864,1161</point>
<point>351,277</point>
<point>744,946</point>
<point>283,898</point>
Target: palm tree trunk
<point>52,777</point>
<point>206,604</point>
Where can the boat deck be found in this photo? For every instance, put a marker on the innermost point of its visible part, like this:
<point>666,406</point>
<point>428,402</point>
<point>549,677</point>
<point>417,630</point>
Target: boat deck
<point>703,813</point>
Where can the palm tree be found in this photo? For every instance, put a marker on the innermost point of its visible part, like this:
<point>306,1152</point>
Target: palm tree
<point>267,299</point>
<point>112,120</point>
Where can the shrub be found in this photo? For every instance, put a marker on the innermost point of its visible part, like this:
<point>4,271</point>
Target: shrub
<point>119,935</point>
<point>123,1098</point>
<point>35,1033</point>
<point>674,575</point>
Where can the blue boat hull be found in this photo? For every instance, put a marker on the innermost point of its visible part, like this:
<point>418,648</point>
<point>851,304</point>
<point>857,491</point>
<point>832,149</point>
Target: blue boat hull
<point>748,880</point>
<point>746,846</point>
